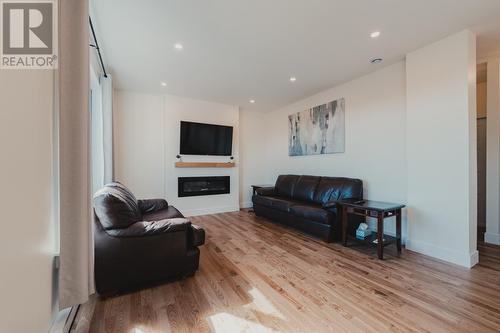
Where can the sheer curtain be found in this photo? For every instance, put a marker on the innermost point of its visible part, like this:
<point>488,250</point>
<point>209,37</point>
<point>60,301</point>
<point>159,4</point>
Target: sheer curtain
<point>76,271</point>
<point>101,106</point>
<point>107,126</point>
<point>97,149</point>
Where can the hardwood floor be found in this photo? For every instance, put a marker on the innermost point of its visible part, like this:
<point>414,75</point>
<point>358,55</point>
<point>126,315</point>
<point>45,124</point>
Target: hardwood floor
<point>256,276</point>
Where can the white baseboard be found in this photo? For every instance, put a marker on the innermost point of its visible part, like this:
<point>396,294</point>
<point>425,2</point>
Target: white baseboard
<point>246,204</point>
<point>208,211</point>
<point>474,259</point>
<point>492,238</point>
<point>462,259</point>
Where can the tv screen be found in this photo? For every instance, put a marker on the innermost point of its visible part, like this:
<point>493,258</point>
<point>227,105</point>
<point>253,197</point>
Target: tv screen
<point>206,139</point>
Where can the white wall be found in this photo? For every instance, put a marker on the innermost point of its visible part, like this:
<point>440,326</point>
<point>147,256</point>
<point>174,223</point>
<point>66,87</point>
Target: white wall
<point>139,148</point>
<point>146,138</point>
<point>375,148</point>
<point>441,149</point>
<point>27,240</point>
<point>253,144</point>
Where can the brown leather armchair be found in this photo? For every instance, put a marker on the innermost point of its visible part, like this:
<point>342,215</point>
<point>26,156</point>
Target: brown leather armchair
<point>140,243</point>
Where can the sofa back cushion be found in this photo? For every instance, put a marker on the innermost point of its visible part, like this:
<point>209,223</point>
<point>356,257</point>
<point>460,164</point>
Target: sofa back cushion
<point>285,185</point>
<point>336,188</point>
<point>116,207</point>
<point>305,188</point>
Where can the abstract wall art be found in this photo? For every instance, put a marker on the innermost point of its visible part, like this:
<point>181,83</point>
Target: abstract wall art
<point>319,130</point>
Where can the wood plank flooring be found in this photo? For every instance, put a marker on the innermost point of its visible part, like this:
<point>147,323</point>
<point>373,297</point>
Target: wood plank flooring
<point>256,276</point>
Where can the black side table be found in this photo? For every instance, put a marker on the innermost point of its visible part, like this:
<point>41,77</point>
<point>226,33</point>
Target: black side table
<point>256,187</point>
<point>379,210</point>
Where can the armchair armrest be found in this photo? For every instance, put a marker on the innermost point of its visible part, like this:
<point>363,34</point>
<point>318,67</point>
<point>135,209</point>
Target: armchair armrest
<point>196,236</point>
<point>151,228</point>
<point>265,191</point>
<point>151,205</point>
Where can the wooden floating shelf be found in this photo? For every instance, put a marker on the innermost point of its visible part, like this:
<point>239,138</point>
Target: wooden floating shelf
<point>204,165</point>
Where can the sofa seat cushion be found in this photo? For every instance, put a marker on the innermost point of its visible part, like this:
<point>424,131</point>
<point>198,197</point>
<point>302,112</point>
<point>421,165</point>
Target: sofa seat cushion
<point>313,213</point>
<point>167,213</point>
<point>277,203</point>
<point>150,228</point>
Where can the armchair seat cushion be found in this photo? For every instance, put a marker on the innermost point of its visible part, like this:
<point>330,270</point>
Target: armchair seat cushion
<point>313,213</point>
<point>170,212</point>
<point>150,228</point>
<point>151,205</point>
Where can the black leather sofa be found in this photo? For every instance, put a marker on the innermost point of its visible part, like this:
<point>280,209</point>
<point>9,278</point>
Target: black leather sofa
<point>140,243</point>
<point>309,203</point>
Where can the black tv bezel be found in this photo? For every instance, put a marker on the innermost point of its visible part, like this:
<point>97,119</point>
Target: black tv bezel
<point>213,125</point>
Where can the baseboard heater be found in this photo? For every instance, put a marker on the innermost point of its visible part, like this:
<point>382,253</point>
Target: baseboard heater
<point>63,320</point>
<point>196,186</point>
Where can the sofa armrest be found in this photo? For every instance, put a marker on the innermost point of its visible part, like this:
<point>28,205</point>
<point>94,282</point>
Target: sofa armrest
<point>196,236</point>
<point>265,191</point>
<point>151,205</point>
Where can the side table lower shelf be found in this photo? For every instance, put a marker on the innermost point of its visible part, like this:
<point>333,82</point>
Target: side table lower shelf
<point>369,241</point>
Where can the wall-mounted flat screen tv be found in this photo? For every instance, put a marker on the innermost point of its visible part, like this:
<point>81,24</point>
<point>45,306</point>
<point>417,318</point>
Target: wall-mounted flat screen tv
<point>206,139</point>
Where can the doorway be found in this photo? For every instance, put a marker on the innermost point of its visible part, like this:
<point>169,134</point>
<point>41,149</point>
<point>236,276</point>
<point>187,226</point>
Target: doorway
<point>481,147</point>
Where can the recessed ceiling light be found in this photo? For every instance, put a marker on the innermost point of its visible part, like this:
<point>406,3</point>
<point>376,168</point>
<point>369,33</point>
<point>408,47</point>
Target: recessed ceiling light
<point>375,34</point>
<point>376,60</point>
<point>293,79</point>
<point>178,46</point>
<point>252,101</point>
<point>163,84</point>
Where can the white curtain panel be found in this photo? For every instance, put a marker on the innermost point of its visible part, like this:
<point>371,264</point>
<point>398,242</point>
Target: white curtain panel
<point>107,125</point>
<point>76,273</point>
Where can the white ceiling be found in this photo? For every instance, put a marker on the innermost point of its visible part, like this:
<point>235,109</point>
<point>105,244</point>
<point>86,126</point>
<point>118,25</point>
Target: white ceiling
<point>235,51</point>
